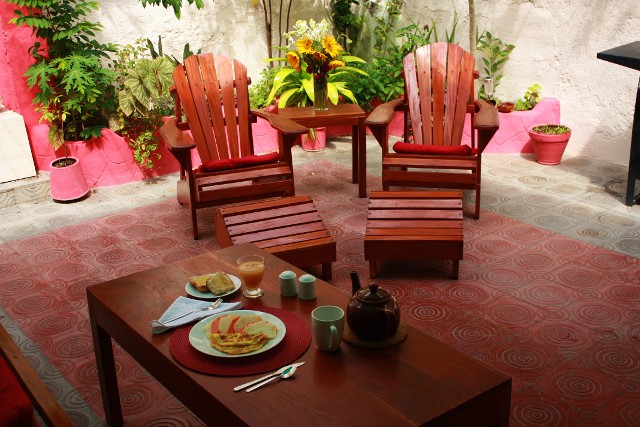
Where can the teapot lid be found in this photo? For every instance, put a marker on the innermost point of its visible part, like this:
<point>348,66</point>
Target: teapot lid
<point>373,294</point>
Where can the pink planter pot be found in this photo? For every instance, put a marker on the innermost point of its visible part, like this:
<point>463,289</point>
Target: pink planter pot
<point>317,144</point>
<point>68,182</point>
<point>549,148</point>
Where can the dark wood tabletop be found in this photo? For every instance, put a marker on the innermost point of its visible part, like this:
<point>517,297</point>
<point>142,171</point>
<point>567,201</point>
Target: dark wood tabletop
<point>339,115</point>
<point>420,381</point>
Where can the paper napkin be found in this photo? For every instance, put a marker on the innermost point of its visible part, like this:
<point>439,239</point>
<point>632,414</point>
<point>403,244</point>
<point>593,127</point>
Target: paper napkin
<point>184,305</point>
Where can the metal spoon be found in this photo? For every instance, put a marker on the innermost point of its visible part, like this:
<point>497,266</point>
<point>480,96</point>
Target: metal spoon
<point>286,374</point>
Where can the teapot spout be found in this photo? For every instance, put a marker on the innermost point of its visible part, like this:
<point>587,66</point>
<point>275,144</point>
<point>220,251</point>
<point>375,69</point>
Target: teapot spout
<point>355,282</point>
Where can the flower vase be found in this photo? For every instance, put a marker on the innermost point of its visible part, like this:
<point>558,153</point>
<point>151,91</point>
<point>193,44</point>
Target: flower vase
<point>320,92</point>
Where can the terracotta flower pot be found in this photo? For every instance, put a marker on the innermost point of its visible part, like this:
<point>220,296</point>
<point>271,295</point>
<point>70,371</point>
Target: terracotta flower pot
<point>318,143</point>
<point>67,181</point>
<point>549,147</point>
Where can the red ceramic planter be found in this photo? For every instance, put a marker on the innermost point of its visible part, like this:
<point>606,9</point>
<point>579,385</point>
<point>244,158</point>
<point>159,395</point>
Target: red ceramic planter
<point>67,183</point>
<point>549,148</point>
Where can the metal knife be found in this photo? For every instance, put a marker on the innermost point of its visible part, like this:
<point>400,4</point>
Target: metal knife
<point>266,377</point>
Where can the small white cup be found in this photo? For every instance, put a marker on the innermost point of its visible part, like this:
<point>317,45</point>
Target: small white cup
<point>327,327</point>
<point>288,284</point>
<point>307,287</point>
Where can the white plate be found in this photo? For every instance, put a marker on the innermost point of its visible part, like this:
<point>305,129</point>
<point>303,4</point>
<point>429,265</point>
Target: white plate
<point>200,341</point>
<point>191,290</point>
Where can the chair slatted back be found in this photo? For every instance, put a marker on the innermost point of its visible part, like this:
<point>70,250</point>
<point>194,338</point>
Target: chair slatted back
<point>438,88</point>
<point>213,92</point>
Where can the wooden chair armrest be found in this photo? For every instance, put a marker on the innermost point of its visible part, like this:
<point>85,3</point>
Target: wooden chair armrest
<point>486,117</point>
<point>42,399</point>
<point>174,137</point>
<point>383,114</point>
<point>281,124</point>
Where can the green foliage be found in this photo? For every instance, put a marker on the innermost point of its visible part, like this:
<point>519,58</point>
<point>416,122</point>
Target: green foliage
<point>530,99</point>
<point>495,53</point>
<point>143,98</point>
<point>551,129</point>
<point>296,88</point>
<point>259,92</point>
<point>384,79</point>
<point>175,4</point>
<point>75,92</point>
<point>343,17</point>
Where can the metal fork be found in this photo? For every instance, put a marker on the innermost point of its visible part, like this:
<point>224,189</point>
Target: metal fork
<point>213,306</point>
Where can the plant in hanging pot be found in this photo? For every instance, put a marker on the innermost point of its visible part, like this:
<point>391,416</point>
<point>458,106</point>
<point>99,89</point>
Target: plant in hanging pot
<point>317,70</point>
<point>549,142</point>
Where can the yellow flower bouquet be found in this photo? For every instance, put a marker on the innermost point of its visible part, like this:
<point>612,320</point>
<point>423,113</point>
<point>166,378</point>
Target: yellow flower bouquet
<point>317,68</point>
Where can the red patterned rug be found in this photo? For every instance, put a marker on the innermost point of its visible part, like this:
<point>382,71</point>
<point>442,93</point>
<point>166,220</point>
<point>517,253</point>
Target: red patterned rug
<point>560,316</point>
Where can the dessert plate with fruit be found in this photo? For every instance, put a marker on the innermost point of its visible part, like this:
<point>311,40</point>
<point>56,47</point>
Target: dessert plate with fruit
<point>211,286</point>
<point>237,333</point>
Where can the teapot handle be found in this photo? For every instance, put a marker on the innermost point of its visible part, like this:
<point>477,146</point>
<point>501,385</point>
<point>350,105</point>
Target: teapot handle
<point>392,320</point>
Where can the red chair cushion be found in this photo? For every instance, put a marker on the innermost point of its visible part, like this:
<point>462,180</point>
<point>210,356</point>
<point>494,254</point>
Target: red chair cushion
<point>15,406</point>
<point>252,160</point>
<point>408,148</point>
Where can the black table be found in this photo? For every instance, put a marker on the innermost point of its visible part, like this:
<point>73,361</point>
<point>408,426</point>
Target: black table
<point>628,55</point>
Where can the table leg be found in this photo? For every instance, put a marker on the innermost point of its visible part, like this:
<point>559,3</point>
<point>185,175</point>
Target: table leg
<point>634,155</point>
<point>362,158</point>
<point>107,374</point>
<point>354,153</point>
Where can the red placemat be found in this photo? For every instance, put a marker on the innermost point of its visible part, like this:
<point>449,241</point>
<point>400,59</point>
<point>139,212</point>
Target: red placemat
<point>293,345</point>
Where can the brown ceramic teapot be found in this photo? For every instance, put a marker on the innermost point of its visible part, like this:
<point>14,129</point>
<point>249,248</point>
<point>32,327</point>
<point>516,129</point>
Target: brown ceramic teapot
<point>373,313</point>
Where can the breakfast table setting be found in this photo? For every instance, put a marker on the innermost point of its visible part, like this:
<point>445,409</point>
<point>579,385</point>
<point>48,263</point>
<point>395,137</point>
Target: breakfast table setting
<point>279,334</point>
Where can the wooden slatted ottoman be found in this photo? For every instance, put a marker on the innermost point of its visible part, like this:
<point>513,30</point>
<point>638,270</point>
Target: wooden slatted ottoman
<point>289,228</point>
<point>414,225</point>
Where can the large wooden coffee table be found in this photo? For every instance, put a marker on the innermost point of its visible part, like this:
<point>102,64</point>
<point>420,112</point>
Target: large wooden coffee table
<point>416,383</point>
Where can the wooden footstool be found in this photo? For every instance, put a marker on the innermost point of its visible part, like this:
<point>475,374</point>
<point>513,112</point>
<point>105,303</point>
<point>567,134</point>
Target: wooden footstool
<point>414,225</point>
<point>289,228</point>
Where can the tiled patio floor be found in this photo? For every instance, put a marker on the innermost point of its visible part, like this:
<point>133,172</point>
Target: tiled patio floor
<point>580,199</point>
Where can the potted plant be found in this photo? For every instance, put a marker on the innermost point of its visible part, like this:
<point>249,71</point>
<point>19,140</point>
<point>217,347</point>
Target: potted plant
<point>75,93</point>
<point>549,142</point>
<point>316,72</point>
<point>144,98</point>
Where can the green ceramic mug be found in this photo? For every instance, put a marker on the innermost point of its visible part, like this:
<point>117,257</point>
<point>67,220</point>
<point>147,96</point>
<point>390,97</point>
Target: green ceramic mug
<point>327,326</point>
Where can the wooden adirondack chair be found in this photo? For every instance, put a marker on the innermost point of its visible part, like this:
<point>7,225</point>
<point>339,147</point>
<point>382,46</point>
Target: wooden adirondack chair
<point>438,94</point>
<point>212,91</point>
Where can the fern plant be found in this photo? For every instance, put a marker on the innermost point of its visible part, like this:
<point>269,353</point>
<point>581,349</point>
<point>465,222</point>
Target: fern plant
<point>75,92</point>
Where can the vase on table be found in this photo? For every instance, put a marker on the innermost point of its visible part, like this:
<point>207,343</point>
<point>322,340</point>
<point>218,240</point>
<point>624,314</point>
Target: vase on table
<point>320,102</point>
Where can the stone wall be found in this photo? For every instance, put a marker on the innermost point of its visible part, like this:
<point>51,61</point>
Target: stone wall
<point>556,46</point>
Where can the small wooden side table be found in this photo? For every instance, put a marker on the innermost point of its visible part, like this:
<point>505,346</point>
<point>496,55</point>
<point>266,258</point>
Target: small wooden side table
<point>337,115</point>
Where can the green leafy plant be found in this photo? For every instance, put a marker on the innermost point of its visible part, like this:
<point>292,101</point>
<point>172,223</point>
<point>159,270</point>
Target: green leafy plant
<point>143,98</point>
<point>344,20</point>
<point>384,79</point>
<point>551,129</point>
<point>75,92</point>
<point>530,99</point>
<point>495,53</point>
<point>259,92</point>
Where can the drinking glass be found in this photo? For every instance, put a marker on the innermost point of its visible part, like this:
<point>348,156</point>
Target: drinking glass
<point>251,271</point>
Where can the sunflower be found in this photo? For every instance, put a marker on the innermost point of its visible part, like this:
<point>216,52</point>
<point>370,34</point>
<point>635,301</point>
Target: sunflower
<point>305,45</point>
<point>336,63</point>
<point>331,46</point>
<point>294,60</point>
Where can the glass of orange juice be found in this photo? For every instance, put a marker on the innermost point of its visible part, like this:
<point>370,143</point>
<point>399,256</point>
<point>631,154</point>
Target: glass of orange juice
<point>251,271</point>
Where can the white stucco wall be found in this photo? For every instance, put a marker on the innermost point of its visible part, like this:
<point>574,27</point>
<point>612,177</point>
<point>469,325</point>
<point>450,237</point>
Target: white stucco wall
<point>556,45</point>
